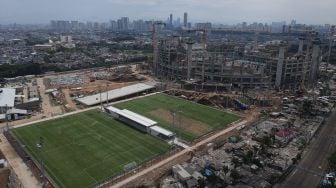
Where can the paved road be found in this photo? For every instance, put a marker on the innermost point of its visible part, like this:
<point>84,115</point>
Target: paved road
<point>314,162</point>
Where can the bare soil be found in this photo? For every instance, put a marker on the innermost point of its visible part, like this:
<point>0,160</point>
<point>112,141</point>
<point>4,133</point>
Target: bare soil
<point>197,128</point>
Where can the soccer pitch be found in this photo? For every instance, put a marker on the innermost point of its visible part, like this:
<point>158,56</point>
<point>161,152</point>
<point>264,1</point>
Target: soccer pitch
<point>187,119</point>
<point>82,149</point>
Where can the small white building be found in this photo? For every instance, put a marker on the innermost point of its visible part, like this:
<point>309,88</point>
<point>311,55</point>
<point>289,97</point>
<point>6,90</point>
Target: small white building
<point>140,122</point>
<point>7,99</point>
<point>135,120</point>
<point>161,133</point>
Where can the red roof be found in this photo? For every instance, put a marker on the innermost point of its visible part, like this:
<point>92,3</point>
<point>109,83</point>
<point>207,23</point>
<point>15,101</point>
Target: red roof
<point>285,132</point>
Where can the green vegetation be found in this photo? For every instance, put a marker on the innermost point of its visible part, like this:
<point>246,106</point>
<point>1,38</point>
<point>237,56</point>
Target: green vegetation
<point>82,149</point>
<point>13,70</point>
<point>212,118</point>
<point>7,70</point>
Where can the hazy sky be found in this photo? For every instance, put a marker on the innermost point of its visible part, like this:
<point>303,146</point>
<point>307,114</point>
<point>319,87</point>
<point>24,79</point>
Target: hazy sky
<point>220,11</point>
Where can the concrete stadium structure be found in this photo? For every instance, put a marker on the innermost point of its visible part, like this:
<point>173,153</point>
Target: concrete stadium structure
<point>226,65</point>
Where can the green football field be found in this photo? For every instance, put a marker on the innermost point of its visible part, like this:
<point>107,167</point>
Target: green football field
<point>187,119</point>
<point>82,149</point>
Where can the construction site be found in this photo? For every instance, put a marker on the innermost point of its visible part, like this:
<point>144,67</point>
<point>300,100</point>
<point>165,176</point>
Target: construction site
<point>66,88</point>
<point>218,107</point>
<point>201,62</point>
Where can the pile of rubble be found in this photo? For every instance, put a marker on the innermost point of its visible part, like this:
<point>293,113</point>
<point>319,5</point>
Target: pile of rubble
<point>69,80</point>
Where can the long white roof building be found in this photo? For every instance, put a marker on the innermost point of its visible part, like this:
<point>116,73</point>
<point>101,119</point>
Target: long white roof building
<point>114,94</point>
<point>7,97</point>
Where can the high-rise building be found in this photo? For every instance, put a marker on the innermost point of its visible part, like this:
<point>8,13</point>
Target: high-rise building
<point>171,19</point>
<point>61,25</point>
<point>185,19</point>
<point>293,22</point>
<point>205,26</point>
<point>178,22</point>
<point>123,24</point>
<point>277,27</point>
<point>114,25</point>
<point>74,25</point>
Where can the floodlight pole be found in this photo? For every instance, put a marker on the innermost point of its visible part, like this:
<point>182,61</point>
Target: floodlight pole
<point>107,90</point>
<point>6,114</point>
<point>100,94</point>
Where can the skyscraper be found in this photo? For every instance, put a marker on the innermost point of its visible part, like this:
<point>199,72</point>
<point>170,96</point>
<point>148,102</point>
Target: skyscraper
<point>185,19</point>
<point>171,19</point>
<point>123,23</point>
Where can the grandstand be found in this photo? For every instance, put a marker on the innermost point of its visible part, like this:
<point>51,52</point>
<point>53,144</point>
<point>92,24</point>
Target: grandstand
<point>140,122</point>
<point>115,94</point>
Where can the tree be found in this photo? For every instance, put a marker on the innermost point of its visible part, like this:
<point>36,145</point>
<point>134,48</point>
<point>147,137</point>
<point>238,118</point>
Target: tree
<point>225,169</point>
<point>248,157</point>
<point>266,140</point>
<point>235,176</point>
<point>305,107</point>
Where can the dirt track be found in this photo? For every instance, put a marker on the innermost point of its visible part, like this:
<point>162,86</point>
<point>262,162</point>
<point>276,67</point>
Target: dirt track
<point>20,168</point>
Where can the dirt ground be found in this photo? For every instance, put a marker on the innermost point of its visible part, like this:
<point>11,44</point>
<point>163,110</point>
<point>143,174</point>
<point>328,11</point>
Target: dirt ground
<point>197,128</point>
<point>20,168</point>
<point>69,100</point>
<point>93,87</point>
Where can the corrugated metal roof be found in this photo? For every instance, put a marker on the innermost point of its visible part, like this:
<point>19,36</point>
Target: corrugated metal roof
<point>7,97</point>
<point>16,111</point>
<point>162,131</point>
<point>133,116</point>
<point>137,118</point>
<point>113,109</point>
<point>113,94</point>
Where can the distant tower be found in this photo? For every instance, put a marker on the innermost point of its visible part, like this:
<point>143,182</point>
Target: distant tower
<point>185,19</point>
<point>281,59</point>
<point>171,19</point>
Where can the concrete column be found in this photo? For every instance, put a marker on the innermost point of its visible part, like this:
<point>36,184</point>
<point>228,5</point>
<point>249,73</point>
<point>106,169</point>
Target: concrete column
<point>203,70</point>
<point>281,58</point>
<point>189,50</point>
<point>300,45</point>
<point>315,63</point>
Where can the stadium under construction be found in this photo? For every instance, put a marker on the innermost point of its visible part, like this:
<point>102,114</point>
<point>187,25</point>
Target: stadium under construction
<point>199,64</point>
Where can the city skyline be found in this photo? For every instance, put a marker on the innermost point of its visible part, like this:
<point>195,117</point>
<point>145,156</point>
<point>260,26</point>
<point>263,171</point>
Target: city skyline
<point>226,12</point>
